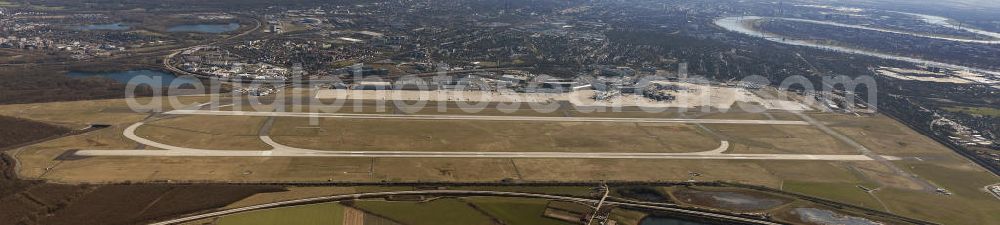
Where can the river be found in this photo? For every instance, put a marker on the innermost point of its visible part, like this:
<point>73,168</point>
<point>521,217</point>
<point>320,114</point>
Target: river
<point>896,31</point>
<point>937,20</point>
<point>739,24</point>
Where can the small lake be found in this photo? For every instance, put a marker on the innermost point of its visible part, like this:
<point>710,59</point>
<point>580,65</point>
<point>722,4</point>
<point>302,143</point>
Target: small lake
<point>822,216</point>
<point>109,26</point>
<point>204,28</point>
<point>159,78</point>
<point>657,220</point>
<point>728,200</point>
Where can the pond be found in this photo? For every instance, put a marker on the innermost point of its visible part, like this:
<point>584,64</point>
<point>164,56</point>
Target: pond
<point>108,26</point>
<point>643,193</point>
<point>822,216</point>
<point>159,78</point>
<point>740,201</point>
<point>204,28</point>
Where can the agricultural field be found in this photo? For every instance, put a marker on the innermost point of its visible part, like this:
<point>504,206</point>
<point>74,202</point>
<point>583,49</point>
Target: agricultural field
<point>515,210</point>
<point>780,139</point>
<point>446,211</point>
<point>436,211</point>
<point>324,213</point>
<point>429,209</point>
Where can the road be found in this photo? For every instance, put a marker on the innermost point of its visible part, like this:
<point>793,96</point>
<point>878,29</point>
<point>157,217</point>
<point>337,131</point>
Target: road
<point>597,209</point>
<point>334,198</point>
<point>485,118</point>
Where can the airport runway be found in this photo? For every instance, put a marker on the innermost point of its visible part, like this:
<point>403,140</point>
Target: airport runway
<point>280,150</point>
<point>484,118</point>
<point>537,155</point>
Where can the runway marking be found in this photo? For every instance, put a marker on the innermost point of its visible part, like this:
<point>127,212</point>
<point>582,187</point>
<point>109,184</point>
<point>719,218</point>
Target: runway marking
<point>551,155</point>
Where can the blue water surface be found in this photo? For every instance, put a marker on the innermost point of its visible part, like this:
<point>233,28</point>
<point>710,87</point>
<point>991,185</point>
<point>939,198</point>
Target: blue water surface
<point>159,78</point>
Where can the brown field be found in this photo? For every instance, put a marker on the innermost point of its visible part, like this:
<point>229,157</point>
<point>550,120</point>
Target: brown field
<point>884,135</point>
<point>20,131</point>
<point>206,132</point>
<point>34,202</point>
<point>376,135</point>
<point>780,139</point>
<point>77,114</point>
<point>814,171</point>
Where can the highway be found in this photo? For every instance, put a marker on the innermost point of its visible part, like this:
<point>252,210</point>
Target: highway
<point>485,118</point>
<point>334,198</point>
